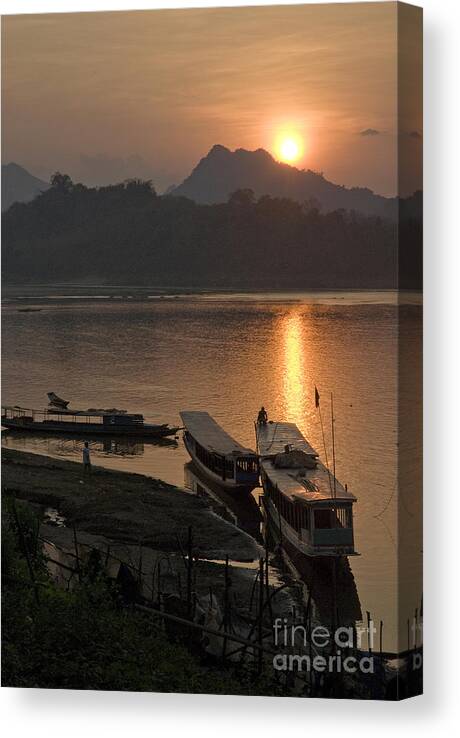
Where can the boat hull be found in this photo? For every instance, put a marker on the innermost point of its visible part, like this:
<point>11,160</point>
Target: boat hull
<point>228,484</point>
<point>89,429</point>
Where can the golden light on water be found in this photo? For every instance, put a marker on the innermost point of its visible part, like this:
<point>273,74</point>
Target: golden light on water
<point>294,369</point>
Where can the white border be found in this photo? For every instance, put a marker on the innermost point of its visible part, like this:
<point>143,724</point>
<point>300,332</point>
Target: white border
<point>43,713</point>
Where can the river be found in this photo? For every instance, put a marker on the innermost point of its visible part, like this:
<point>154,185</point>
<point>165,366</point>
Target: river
<point>230,354</point>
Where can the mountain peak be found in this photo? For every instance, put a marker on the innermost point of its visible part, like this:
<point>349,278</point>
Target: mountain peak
<point>13,167</point>
<point>19,185</point>
<point>259,153</point>
<point>217,150</point>
<point>223,171</point>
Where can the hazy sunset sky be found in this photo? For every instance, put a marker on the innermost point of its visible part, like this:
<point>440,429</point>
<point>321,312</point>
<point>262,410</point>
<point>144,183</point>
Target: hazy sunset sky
<point>104,96</point>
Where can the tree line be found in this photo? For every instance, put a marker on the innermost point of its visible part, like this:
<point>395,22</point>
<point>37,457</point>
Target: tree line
<point>127,234</point>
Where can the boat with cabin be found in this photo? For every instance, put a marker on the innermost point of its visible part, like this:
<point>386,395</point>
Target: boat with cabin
<point>83,422</point>
<point>311,511</point>
<point>217,454</point>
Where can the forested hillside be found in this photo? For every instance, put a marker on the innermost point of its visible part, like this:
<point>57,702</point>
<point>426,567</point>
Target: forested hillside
<point>126,234</point>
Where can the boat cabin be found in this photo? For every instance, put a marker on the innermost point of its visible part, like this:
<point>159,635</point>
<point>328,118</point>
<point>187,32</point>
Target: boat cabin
<point>309,506</point>
<point>25,416</point>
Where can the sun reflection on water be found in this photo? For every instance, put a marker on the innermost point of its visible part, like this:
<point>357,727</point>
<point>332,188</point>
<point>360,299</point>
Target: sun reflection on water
<point>294,378</point>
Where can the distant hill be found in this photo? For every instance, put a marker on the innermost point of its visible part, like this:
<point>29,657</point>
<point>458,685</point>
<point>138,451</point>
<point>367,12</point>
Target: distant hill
<point>127,234</point>
<point>222,171</point>
<point>18,185</point>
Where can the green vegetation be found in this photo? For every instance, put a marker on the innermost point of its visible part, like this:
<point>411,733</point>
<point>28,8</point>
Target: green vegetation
<point>86,638</point>
<point>126,234</point>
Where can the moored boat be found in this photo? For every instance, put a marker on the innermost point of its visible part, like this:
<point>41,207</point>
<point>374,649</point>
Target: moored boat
<point>242,510</point>
<point>217,454</point>
<point>310,509</point>
<point>83,422</point>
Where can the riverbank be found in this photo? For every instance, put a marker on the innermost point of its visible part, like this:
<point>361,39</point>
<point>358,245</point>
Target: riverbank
<point>87,636</point>
<point>124,507</point>
<point>134,530</point>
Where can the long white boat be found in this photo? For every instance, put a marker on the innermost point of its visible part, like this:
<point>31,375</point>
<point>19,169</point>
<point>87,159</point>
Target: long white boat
<point>82,422</point>
<point>217,454</point>
<point>309,508</point>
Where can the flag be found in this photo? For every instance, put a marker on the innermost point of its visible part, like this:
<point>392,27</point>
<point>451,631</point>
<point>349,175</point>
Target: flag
<point>316,397</point>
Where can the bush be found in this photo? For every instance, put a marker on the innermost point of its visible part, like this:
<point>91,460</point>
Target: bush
<point>85,638</point>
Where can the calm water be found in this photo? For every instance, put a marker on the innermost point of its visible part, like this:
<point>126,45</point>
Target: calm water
<point>230,354</point>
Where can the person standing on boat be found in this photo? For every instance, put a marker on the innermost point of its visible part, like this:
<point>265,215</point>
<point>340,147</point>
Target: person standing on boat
<point>262,417</point>
<point>86,459</point>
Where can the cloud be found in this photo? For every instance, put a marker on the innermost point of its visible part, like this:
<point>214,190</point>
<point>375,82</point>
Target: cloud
<point>369,132</point>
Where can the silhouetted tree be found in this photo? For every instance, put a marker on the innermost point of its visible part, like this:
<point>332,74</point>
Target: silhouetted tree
<point>125,233</point>
<point>242,198</point>
<point>61,182</point>
<point>143,186</point>
<point>312,205</point>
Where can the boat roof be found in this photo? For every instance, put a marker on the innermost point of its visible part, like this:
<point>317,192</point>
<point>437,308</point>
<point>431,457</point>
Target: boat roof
<point>305,485</point>
<point>67,411</point>
<point>209,434</point>
<point>91,413</point>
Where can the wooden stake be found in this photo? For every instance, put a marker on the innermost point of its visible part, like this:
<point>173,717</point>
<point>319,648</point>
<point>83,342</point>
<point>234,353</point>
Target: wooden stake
<point>189,571</point>
<point>226,606</point>
<point>261,612</point>
<point>267,584</point>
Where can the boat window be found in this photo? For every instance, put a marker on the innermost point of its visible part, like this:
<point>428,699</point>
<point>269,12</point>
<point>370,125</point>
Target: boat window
<point>324,518</point>
<point>344,519</point>
<point>247,465</point>
<point>218,464</point>
<point>340,517</point>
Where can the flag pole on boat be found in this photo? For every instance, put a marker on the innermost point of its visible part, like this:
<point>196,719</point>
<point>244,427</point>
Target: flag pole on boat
<point>333,442</point>
<point>318,407</point>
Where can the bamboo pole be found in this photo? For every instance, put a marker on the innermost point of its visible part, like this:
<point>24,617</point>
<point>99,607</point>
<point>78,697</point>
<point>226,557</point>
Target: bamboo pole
<point>189,571</point>
<point>333,443</point>
<point>324,443</point>
<point>225,618</point>
<point>205,629</point>
<point>261,612</point>
<point>267,584</point>
<point>369,631</point>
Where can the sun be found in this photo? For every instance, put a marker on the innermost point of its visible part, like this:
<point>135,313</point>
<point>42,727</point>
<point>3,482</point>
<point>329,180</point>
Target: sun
<point>289,148</point>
